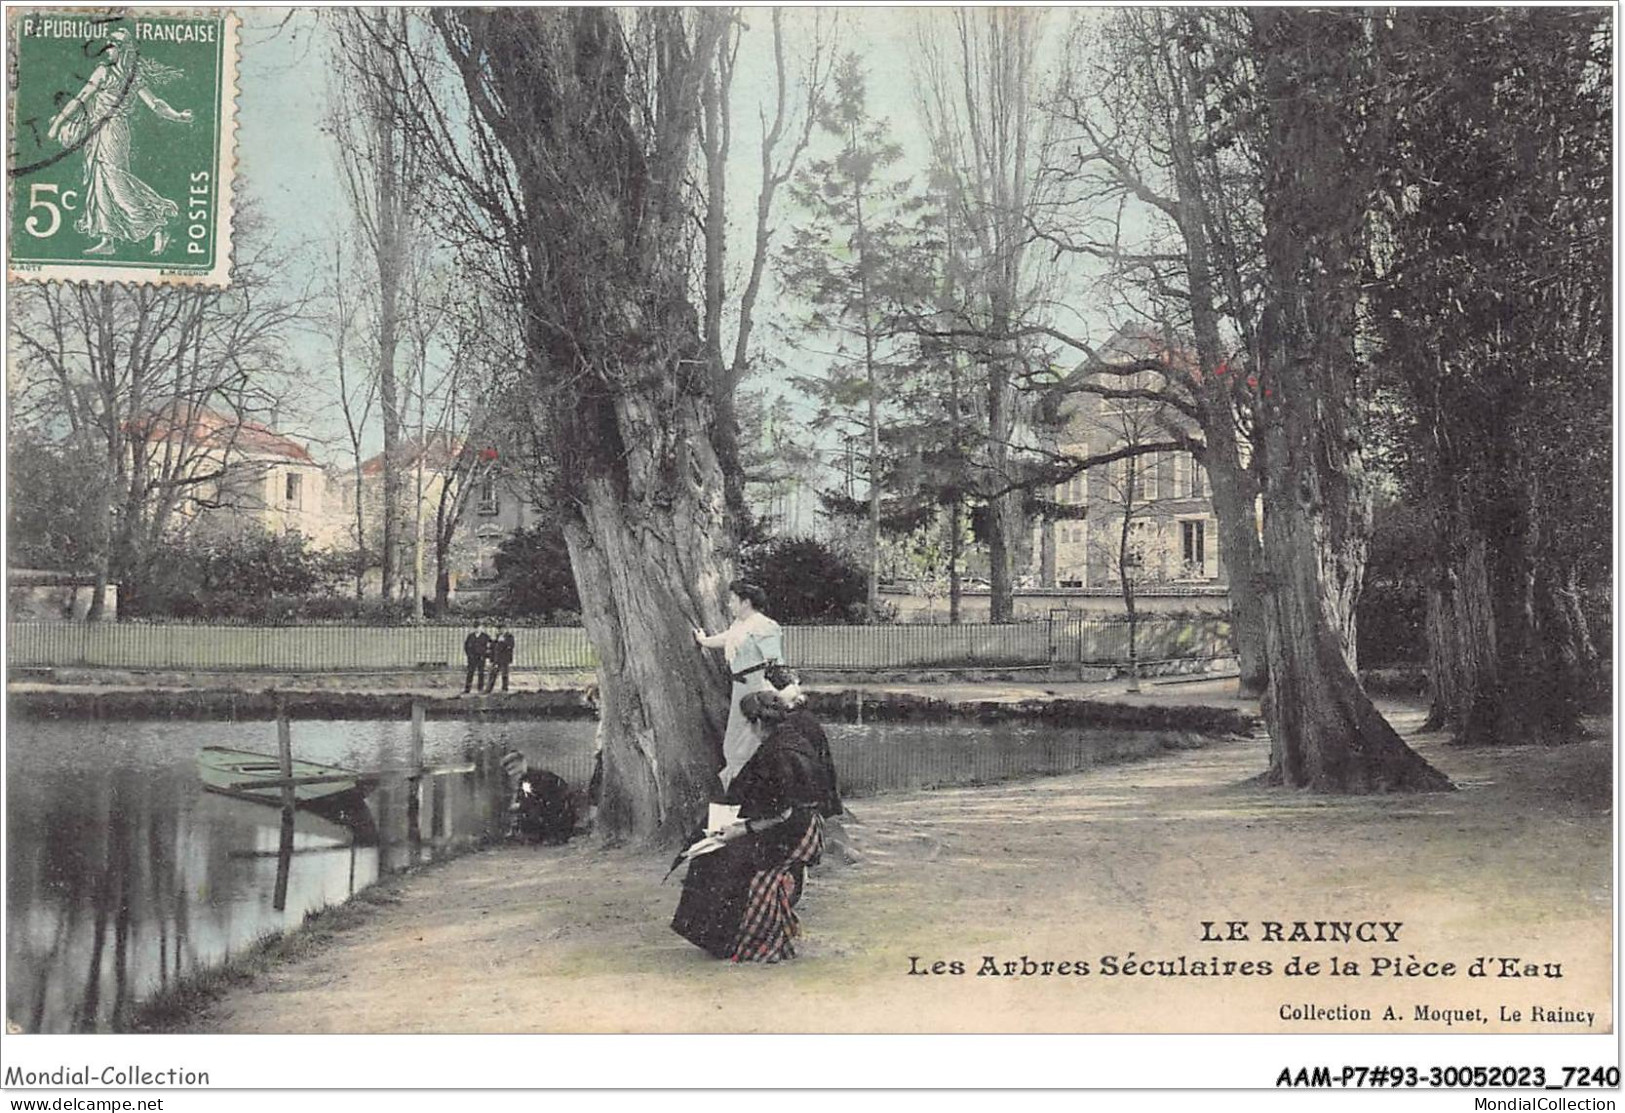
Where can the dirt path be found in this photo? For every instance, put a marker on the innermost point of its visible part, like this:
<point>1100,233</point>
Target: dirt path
<point>1113,861</point>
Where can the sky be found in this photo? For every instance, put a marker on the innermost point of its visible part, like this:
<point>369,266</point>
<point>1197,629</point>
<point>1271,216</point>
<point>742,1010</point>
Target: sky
<point>289,167</point>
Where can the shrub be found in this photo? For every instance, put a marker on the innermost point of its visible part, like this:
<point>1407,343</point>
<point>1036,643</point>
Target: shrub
<point>373,611</point>
<point>534,574</point>
<point>328,608</point>
<point>1391,616</point>
<point>253,575</point>
<point>808,581</point>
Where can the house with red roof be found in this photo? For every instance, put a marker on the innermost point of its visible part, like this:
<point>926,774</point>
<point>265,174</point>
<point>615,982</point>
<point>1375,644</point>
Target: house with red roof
<point>231,472</point>
<point>459,491</point>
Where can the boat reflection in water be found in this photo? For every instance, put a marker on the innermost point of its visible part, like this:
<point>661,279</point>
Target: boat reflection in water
<point>330,791</point>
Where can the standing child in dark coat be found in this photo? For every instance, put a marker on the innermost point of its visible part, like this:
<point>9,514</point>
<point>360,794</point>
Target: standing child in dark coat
<point>501,658</point>
<point>476,647</point>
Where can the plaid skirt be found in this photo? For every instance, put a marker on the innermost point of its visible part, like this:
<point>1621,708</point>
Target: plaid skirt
<point>769,924</point>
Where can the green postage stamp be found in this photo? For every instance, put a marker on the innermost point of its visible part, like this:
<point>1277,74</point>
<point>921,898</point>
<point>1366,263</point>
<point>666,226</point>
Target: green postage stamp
<point>121,146</point>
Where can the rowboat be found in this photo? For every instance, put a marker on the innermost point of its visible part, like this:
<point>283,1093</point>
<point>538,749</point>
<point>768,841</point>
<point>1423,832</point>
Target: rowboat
<point>247,775</point>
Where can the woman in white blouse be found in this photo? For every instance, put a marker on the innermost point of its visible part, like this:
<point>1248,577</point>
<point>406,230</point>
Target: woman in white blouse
<point>751,644</point>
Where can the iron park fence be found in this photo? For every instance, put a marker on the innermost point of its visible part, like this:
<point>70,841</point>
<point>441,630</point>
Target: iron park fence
<point>315,648</point>
<point>1065,638</point>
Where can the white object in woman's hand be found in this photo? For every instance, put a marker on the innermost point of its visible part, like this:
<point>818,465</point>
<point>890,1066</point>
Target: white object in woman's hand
<point>699,635</point>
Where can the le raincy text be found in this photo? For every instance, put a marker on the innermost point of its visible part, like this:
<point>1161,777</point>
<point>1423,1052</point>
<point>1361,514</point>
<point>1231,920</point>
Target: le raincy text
<point>1300,931</point>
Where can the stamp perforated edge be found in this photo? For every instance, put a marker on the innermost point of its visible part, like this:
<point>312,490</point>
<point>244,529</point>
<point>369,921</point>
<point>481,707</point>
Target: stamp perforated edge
<point>219,275</point>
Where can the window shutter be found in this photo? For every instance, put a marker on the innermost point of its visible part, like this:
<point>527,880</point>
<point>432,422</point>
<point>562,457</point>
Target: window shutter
<point>1181,476</point>
<point>1210,549</point>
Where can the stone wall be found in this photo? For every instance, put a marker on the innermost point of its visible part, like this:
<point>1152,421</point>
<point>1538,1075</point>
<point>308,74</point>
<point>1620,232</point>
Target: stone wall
<point>1038,603</point>
<point>58,602</point>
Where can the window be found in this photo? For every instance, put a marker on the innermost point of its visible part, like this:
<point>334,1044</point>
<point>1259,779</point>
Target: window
<point>1189,477</point>
<point>1143,547</point>
<point>1193,545</point>
<point>1135,479</point>
<point>292,490</point>
<point>489,502</point>
<point>487,540</point>
<point>1074,491</point>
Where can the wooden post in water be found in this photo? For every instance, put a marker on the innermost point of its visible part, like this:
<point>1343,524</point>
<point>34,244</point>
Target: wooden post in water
<point>284,860</point>
<point>284,756</point>
<point>284,752</point>
<point>414,780</point>
<point>437,807</point>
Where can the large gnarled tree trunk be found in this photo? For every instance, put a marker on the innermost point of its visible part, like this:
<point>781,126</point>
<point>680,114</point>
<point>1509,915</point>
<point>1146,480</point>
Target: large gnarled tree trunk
<point>598,121</point>
<point>1460,627</point>
<point>645,557</point>
<point>1533,692</point>
<point>1506,658</point>
<point>1325,732</point>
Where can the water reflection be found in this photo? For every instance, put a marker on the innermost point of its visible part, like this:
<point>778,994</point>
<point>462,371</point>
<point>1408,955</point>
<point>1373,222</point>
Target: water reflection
<point>124,874</point>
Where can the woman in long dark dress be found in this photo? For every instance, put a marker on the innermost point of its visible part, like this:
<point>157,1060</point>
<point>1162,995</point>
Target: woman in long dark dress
<point>737,902</point>
<point>785,681</point>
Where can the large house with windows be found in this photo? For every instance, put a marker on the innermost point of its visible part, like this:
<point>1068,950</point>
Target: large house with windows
<point>228,473</point>
<point>483,504</point>
<point>1173,541</point>
<point>498,505</point>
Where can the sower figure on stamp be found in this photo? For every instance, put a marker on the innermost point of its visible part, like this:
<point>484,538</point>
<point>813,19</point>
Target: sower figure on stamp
<point>501,658</point>
<point>476,647</point>
<point>117,204</point>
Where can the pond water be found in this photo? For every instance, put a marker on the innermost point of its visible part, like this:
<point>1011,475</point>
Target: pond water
<point>124,874</point>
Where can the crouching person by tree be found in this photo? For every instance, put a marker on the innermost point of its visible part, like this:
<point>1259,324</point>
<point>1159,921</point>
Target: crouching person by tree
<point>544,807</point>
